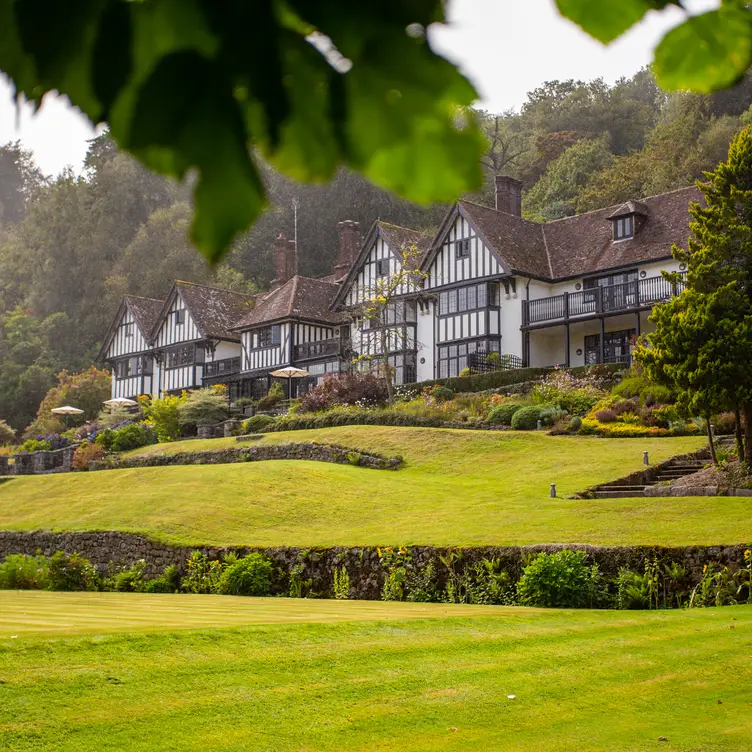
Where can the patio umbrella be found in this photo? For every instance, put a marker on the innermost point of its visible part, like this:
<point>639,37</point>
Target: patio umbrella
<point>65,411</point>
<point>121,402</point>
<point>290,373</point>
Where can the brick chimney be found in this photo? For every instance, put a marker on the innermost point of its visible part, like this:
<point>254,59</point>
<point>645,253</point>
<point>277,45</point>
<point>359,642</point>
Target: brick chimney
<point>284,254</point>
<point>292,258</point>
<point>508,195</point>
<point>349,246</point>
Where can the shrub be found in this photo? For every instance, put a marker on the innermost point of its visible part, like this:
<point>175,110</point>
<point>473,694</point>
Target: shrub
<point>437,393</point>
<point>85,453</point>
<point>527,418</point>
<point>575,424</point>
<point>573,394</point>
<point>7,434</point>
<point>273,397</point>
<point>22,572</point>
<point>590,427</point>
<point>647,392</point>
<point>72,572</point>
<point>257,423</point>
<point>202,575</point>
<point>163,415</point>
<point>124,438</point>
<point>251,575</point>
<point>48,443</point>
<point>361,389</point>
<point>606,415</point>
<point>130,579</point>
<point>560,580</point>
<point>502,414</point>
<point>724,424</point>
<point>169,582</point>
<point>243,402</point>
<point>204,407</point>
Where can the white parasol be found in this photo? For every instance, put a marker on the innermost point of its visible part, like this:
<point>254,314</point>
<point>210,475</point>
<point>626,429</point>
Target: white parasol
<point>65,411</point>
<point>121,402</point>
<point>289,373</point>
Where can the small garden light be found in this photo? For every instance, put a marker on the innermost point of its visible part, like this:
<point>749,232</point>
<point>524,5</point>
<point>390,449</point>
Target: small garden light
<point>553,490</point>
<point>645,460</point>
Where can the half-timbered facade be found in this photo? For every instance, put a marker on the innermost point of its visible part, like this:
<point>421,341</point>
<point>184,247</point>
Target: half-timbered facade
<point>291,326</point>
<point>378,269</point>
<point>127,348</point>
<point>489,287</point>
<point>192,336</point>
<point>573,291</point>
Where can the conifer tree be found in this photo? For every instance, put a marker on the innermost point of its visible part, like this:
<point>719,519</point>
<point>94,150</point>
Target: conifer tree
<point>702,345</point>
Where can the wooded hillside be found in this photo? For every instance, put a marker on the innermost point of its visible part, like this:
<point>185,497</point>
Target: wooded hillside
<point>70,246</point>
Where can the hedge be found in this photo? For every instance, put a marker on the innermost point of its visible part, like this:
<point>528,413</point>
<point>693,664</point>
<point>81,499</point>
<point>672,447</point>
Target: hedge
<point>482,382</point>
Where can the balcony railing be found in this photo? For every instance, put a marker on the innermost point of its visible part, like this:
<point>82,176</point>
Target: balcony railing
<point>321,349</point>
<point>640,293</point>
<point>221,368</point>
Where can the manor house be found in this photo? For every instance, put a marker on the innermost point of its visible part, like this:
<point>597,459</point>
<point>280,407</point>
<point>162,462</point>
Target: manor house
<point>569,292</point>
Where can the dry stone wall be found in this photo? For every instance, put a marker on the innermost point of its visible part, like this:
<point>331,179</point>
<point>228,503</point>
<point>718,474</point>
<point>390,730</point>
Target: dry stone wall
<point>313,452</point>
<point>362,563</point>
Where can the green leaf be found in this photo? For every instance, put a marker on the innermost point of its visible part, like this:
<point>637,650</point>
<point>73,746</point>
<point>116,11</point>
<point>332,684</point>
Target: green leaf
<point>112,54</point>
<point>200,127</point>
<point>608,19</point>
<point>707,52</point>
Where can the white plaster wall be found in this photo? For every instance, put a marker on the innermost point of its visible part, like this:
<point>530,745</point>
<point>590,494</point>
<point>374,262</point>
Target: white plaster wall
<point>511,321</point>
<point>425,335</point>
<point>225,350</point>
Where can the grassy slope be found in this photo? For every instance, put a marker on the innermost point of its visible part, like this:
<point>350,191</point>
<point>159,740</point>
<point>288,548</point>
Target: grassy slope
<point>582,681</point>
<point>459,487</point>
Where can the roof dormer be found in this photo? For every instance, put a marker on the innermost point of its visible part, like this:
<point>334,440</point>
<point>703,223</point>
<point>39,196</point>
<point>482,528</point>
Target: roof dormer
<point>627,220</point>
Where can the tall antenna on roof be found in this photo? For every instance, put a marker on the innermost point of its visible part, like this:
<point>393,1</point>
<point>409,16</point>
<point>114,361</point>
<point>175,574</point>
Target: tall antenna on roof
<point>295,205</point>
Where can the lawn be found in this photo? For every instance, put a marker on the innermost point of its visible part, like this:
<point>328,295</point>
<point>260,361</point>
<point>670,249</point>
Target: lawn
<point>457,488</point>
<point>461,678</point>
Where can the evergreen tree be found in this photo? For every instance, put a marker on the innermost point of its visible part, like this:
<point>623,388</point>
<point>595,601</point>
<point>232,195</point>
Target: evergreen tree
<point>703,340</point>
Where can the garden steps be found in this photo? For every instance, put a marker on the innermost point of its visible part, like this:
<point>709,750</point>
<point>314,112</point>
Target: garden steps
<point>670,471</point>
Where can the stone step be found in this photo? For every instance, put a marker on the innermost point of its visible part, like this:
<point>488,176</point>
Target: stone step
<point>622,494</point>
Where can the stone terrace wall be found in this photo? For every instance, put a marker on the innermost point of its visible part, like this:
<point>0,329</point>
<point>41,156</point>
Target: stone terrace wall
<point>38,463</point>
<point>361,563</point>
<point>314,452</point>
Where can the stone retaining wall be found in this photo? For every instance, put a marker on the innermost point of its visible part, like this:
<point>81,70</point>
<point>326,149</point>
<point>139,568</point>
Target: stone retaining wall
<point>362,563</point>
<point>312,452</point>
<point>38,463</point>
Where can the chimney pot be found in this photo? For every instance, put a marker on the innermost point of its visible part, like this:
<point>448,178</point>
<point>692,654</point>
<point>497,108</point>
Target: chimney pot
<point>508,195</point>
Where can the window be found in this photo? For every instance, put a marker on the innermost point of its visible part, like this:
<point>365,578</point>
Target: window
<point>616,346</point>
<point>182,355</point>
<point>453,358</point>
<point>382,267</point>
<point>122,369</point>
<point>624,227</point>
<point>268,336</point>
<point>463,299</point>
<point>179,317</point>
<point>463,248</point>
<point>128,330</point>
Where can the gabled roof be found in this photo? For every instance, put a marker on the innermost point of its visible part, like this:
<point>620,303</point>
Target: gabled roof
<point>213,310</point>
<point>631,207</point>
<point>577,245</point>
<point>303,298</point>
<point>397,238</point>
<point>584,244</point>
<point>145,313</point>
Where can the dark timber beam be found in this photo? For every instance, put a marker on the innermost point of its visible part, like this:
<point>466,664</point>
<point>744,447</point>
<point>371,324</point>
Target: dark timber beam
<point>601,343</point>
<point>567,345</point>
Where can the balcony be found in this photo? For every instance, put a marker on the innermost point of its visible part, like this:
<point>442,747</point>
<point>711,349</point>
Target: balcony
<point>324,348</point>
<point>599,301</point>
<point>220,368</point>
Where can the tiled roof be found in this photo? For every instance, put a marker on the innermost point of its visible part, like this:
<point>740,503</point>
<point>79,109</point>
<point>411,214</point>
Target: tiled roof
<point>519,243</point>
<point>214,311</point>
<point>584,244</point>
<point>401,238</point>
<point>146,312</point>
<point>301,298</point>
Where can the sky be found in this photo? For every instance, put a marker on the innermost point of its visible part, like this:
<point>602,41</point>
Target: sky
<point>505,47</point>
